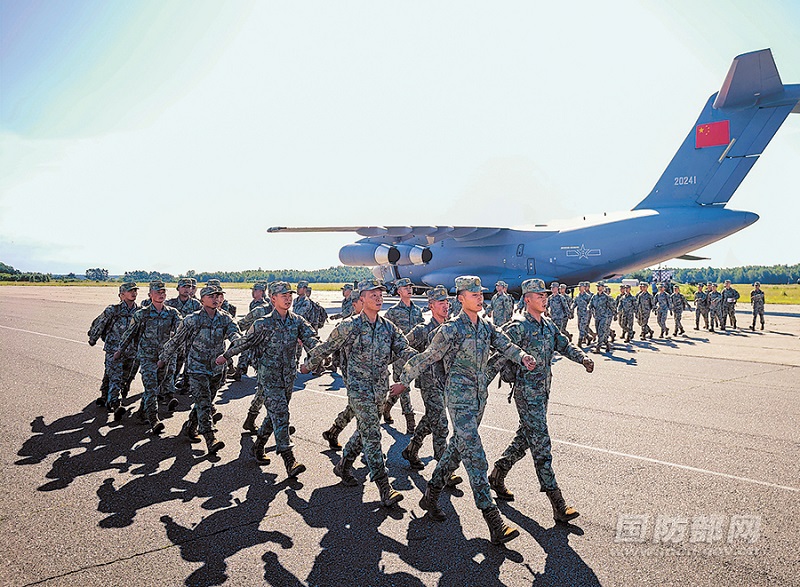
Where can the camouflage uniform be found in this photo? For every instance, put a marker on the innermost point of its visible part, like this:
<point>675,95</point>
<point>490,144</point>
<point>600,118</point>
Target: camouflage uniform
<point>151,329</point>
<point>715,308</point>
<point>501,307</point>
<point>532,391</point>
<point>369,348</point>
<point>431,385</point>
<point>678,303</point>
<point>701,308</point>
<point>176,365</point>
<point>729,298</point>
<point>226,305</point>
<point>559,309</point>
<point>405,318</point>
<point>604,310</point>
<point>347,303</point>
<point>626,309</point>
<point>644,306</point>
<point>247,357</point>
<point>757,301</point>
<point>662,309</point>
<point>302,306</point>
<point>274,340</point>
<point>110,326</point>
<point>464,351</point>
<point>204,337</point>
<point>455,307</point>
<point>583,305</point>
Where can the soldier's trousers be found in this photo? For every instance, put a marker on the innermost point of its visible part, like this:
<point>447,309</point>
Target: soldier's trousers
<point>258,400</point>
<point>117,372</point>
<point>367,405</point>
<point>167,388</point>
<point>643,320</point>
<point>433,422</point>
<point>626,323</point>
<point>405,397</point>
<point>561,322</point>
<point>244,361</point>
<point>465,445</point>
<point>277,419</point>
<point>532,434</point>
<point>203,389</point>
<point>758,313</point>
<point>583,324</point>
<point>344,417</point>
<point>729,313</point>
<point>603,326</point>
<point>678,325</point>
<point>698,313</point>
<point>152,378</point>
<point>661,316</point>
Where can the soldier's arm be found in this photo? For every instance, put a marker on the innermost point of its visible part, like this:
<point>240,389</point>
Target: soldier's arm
<point>99,325</point>
<point>132,332</point>
<point>307,335</point>
<point>400,346</point>
<point>417,337</point>
<point>336,340</point>
<point>566,348</point>
<point>502,343</point>
<point>439,346</point>
<point>497,361</point>
<point>254,335</point>
<point>176,341</point>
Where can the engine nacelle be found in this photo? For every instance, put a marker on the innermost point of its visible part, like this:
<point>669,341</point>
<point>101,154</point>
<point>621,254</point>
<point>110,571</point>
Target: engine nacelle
<point>410,255</point>
<point>365,255</point>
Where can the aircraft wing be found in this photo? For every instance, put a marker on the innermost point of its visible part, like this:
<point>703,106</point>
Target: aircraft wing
<point>431,234</point>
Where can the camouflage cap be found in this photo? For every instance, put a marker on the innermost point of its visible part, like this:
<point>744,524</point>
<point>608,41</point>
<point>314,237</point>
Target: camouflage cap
<point>210,290</point>
<point>662,285</point>
<point>584,283</point>
<point>437,294</point>
<point>280,287</point>
<point>405,281</point>
<point>128,286</point>
<point>471,283</point>
<point>643,283</point>
<point>370,284</point>
<point>193,282</point>
<point>676,286</point>
<point>501,283</point>
<point>713,285</point>
<point>756,283</point>
<point>347,286</point>
<point>260,285</point>
<point>554,284</point>
<point>601,284</point>
<point>214,282</point>
<point>157,284</point>
<point>184,281</point>
<point>355,295</point>
<point>534,286</point>
<point>302,283</point>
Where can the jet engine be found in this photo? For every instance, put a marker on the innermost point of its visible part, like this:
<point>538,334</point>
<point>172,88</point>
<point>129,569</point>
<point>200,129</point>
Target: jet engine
<point>366,254</point>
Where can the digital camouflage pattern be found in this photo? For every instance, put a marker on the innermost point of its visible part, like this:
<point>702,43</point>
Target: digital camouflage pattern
<point>531,390</point>
<point>757,299</point>
<point>369,348</point>
<point>678,303</point>
<point>729,298</point>
<point>501,308</point>
<point>644,306</point>
<point>464,350</point>
<point>701,307</point>
<point>405,318</point>
<point>110,326</point>
<point>604,309</point>
<point>662,309</point>
<point>626,310</point>
<point>559,310</point>
<point>583,306</point>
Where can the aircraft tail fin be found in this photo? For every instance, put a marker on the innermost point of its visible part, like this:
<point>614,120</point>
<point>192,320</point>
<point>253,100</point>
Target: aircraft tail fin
<point>732,131</point>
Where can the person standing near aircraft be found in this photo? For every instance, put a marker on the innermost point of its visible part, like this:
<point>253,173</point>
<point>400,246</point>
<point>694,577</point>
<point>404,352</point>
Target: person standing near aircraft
<point>604,310</point>
<point>562,290</point>
<point>258,292</point>
<point>626,310</point>
<point>463,345</point>
<point>729,298</point>
<point>538,337</point>
<point>501,307</point>
<point>715,306</point>
<point>757,301</point>
<point>149,330</point>
<point>700,307</point>
<point>431,384</point>
<point>203,334</point>
<point>347,301</point>
<point>644,306</point>
<point>369,342</point>
<point>405,314</point>
<point>344,417</point>
<point>662,309</point>
<point>678,303</point>
<point>582,303</point>
<point>110,326</point>
<point>185,304</point>
<point>274,340</point>
<point>558,309</point>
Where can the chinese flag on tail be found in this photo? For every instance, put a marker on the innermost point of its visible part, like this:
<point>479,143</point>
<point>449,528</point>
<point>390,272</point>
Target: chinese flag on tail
<point>712,134</point>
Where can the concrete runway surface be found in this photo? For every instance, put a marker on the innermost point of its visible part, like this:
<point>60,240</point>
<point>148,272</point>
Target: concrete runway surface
<point>681,455</point>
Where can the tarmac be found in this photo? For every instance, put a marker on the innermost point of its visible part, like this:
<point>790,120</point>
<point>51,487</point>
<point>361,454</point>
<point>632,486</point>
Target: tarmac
<point>681,455</point>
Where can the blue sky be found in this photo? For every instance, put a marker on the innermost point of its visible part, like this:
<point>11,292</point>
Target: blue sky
<point>171,135</point>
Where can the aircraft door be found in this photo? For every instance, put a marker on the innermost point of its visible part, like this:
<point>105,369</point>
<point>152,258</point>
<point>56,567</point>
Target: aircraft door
<point>531,266</point>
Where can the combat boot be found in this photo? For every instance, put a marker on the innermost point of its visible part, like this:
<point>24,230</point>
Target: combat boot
<point>119,410</point>
<point>344,470</point>
<point>753,326</point>
<point>293,468</point>
<point>453,480</point>
<point>389,496</point>
<point>250,423</point>
<point>430,503</point>
<point>675,333</point>
<point>214,445</point>
<point>387,411</point>
<point>497,481</point>
<point>762,326</point>
<point>189,430</point>
<point>733,322</point>
<point>499,531</point>
<point>172,402</point>
<point>411,423</point>
<point>411,454</point>
<point>561,511</point>
<point>156,426</point>
<point>216,417</point>
<point>332,436</point>
<point>608,347</point>
<point>258,450</point>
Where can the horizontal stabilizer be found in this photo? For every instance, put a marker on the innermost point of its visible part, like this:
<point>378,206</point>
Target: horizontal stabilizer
<point>692,258</point>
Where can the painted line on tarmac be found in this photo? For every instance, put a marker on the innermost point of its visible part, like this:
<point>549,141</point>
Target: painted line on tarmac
<point>43,334</point>
<point>621,454</point>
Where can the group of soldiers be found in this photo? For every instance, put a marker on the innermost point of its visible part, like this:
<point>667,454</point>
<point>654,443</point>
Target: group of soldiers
<point>452,356</point>
<point>452,359</point>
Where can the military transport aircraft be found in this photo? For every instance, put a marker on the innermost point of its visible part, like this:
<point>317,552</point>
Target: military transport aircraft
<point>684,211</point>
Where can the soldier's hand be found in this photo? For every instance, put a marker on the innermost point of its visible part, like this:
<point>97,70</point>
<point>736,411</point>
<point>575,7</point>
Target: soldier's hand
<point>396,389</point>
<point>92,342</point>
<point>160,364</point>
<point>588,364</point>
<point>529,362</point>
<point>305,369</point>
<point>116,356</point>
<point>220,360</point>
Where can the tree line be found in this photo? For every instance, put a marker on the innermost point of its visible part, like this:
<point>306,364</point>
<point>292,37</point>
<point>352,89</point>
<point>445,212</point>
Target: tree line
<point>773,274</point>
